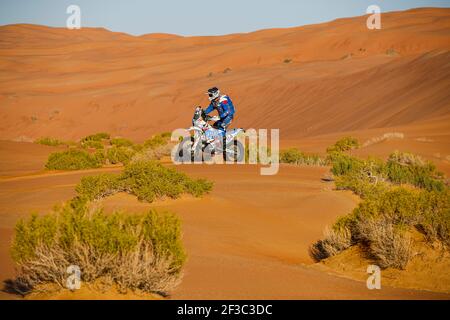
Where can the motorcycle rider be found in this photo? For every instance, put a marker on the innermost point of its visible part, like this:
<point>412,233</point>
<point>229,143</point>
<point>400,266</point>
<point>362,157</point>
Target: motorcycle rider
<point>223,105</point>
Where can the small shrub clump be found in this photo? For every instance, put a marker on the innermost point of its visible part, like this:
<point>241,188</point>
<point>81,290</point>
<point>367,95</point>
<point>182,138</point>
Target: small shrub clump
<point>295,156</point>
<point>343,164</point>
<point>99,186</point>
<point>94,140</point>
<point>92,144</point>
<point>73,160</point>
<point>121,142</point>
<point>344,144</point>
<point>158,140</point>
<point>120,154</point>
<point>119,151</point>
<point>96,137</point>
<point>47,141</point>
<point>335,240</point>
<point>149,180</point>
<point>404,168</point>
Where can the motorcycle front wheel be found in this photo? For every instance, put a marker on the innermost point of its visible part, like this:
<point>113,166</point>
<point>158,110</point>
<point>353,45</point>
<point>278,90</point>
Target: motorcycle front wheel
<point>234,152</point>
<point>184,152</point>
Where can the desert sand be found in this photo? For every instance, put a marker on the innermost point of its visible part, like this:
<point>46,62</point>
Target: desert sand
<point>249,238</point>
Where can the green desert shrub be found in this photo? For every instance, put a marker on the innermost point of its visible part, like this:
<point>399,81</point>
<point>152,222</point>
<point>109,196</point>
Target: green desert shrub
<point>92,144</point>
<point>400,205</point>
<point>435,220</point>
<point>164,232</point>
<point>198,187</point>
<point>137,147</point>
<point>407,168</point>
<point>48,141</point>
<point>363,177</point>
<point>94,140</point>
<point>99,186</point>
<point>149,180</point>
<point>400,168</point>
<point>344,144</point>
<point>135,251</point>
<point>99,154</point>
<point>342,164</point>
<point>361,184</point>
<point>381,223</point>
<point>121,142</point>
<point>119,154</point>
<point>158,140</point>
<point>295,156</point>
<point>72,160</point>
<point>388,213</point>
<point>96,137</point>
<point>292,155</point>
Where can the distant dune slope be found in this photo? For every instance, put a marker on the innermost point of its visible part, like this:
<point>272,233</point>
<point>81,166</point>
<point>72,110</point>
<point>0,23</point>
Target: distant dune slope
<point>319,79</point>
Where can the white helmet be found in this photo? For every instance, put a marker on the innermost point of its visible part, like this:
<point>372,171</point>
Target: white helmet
<point>213,93</point>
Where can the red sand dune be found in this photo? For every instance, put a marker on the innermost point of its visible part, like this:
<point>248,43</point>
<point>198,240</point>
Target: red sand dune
<point>68,83</point>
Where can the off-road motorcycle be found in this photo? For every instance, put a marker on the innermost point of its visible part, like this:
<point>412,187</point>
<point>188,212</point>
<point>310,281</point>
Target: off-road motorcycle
<point>207,141</point>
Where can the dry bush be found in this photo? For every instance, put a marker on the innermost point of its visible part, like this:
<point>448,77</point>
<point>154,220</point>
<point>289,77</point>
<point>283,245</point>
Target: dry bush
<point>405,158</point>
<point>142,270</point>
<point>136,252</point>
<point>295,156</point>
<point>389,245</point>
<point>155,153</point>
<point>334,241</point>
<point>49,265</point>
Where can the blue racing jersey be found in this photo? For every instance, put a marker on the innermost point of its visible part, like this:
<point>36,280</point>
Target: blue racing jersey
<point>224,107</point>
